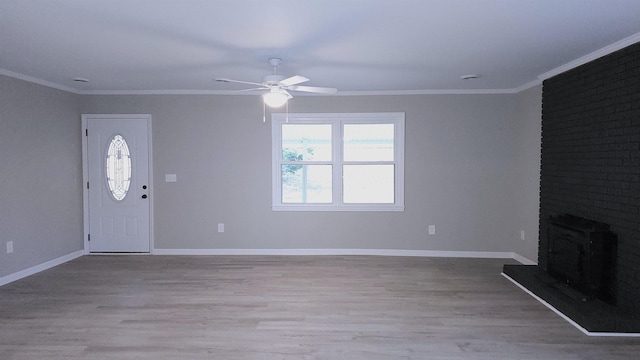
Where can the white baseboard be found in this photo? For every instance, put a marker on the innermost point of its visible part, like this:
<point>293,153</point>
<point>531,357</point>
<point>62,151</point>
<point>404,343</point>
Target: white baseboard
<point>523,260</point>
<point>38,268</point>
<point>373,252</point>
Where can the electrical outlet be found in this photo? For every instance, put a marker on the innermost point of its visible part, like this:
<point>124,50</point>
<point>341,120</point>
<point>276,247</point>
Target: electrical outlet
<point>432,229</point>
<point>9,247</point>
<point>521,234</point>
<point>221,227</point>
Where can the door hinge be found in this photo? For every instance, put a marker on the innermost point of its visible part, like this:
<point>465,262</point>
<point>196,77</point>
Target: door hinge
<point>87,184</point>
<point>86,132</point>
<point>88,237</point>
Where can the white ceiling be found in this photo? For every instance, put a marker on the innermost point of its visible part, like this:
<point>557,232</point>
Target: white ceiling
<point>358,46</point>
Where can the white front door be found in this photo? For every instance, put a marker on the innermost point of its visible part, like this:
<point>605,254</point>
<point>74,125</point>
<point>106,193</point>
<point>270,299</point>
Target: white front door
<point>117,192</point>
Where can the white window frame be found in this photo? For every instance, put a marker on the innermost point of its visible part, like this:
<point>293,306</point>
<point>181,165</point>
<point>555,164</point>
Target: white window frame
<point>338,120</point>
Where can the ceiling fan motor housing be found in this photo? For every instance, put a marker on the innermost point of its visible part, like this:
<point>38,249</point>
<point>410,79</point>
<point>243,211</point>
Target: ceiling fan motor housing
<point>272,79</point>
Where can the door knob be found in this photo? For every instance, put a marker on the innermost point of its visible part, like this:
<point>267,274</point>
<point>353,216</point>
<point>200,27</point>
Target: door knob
<point>144,196</point>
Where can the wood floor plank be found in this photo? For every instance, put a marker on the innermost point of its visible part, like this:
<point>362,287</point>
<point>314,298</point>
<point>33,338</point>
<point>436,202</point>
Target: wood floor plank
<point>285,307</point>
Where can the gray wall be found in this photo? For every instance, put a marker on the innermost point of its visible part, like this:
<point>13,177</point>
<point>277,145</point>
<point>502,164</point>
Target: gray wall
<point>40,174</point>
<point>527,168</point>
<point>472,166</point>
<point>471,169</point>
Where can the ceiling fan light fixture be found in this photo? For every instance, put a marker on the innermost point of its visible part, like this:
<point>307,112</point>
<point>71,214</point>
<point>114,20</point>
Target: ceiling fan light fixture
<point>275,98</point>
<point>277,85</point>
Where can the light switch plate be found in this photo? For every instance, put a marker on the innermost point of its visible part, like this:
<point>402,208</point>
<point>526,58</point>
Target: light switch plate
<point>170,177</point>
<point>9,247</point>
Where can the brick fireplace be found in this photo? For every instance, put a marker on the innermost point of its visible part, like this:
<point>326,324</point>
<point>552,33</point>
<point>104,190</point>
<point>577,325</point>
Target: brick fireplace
<point>590,170</point>
<point>591,158</point>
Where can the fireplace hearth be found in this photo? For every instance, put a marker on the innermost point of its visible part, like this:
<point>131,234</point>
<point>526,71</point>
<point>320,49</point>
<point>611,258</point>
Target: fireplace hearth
<point>577,278</point>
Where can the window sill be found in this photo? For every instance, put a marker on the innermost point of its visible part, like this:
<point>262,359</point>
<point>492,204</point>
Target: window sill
<point>319,207</point>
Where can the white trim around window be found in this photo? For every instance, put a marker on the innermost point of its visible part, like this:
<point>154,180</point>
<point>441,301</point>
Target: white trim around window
<point>323,162</point>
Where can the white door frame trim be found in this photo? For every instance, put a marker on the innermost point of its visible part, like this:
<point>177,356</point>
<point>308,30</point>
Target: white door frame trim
<point>85,173</point>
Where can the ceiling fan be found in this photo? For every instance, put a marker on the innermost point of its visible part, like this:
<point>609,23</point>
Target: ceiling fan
<point>278,86</point>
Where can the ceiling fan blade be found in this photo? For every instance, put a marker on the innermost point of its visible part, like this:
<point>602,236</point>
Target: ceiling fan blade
<point>313,89</point>
<point>253,89</point>
<point>293,80</point>
<point>225,80</point>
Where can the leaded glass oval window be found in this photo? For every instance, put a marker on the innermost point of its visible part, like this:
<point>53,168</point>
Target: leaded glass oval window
<point>118,164</point>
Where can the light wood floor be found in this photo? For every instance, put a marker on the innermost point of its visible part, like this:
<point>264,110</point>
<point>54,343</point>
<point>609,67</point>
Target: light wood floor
<point>279,307</point>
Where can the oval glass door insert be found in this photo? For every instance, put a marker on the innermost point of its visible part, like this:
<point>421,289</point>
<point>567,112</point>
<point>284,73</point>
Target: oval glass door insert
<point>118,164</point>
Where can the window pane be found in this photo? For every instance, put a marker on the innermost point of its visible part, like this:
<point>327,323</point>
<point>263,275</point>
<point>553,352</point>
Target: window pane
<point>118,167</point>
<point>306,142</point>
<point>302,184</point>
<point>368,142</point>
<point>368,184</point>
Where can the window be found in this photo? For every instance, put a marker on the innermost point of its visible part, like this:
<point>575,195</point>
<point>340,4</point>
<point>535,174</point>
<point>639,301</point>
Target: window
<point>118,167</point>
<point>338,162</point>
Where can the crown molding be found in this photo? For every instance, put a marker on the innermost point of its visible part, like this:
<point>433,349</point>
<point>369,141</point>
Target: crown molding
<point>527,86</point>
<point>618,45</point>
<point>37,81</point>
<point>339,93</point>
<point>161,92</point>
<point>34,80</point>
<point>426,92</point>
